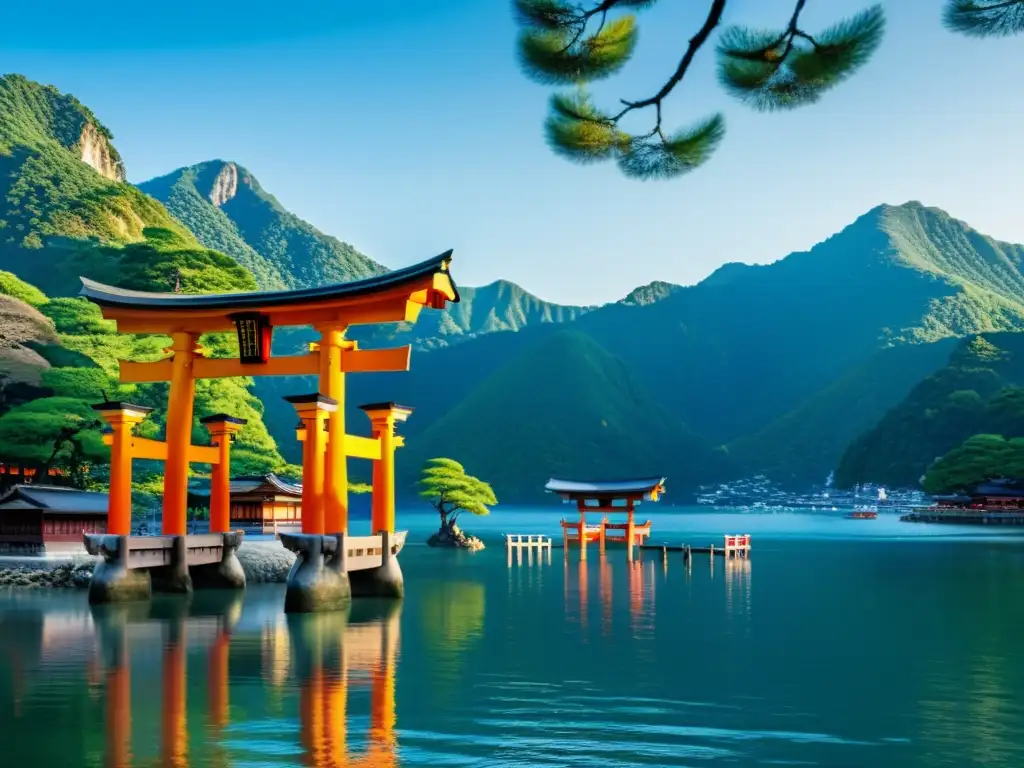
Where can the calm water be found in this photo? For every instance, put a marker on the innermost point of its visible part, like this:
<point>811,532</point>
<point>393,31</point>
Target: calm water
<point>841,643</point>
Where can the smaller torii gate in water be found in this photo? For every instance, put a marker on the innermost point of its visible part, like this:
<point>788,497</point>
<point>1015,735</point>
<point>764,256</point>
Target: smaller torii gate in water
<point>332,566</point>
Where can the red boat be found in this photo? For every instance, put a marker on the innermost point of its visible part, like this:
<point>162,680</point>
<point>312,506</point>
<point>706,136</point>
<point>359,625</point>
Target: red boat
<point>862,514</point>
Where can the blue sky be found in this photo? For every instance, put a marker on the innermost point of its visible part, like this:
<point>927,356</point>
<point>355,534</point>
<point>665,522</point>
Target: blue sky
<point>408,129</point>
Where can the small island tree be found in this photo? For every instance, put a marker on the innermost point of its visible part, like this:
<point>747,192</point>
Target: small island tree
<point>451,491</point>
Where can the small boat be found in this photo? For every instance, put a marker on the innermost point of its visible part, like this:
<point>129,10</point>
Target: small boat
<point>862,513</point>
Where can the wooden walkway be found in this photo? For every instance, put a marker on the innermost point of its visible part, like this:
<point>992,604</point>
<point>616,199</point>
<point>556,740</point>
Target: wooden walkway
<point>734,546</point>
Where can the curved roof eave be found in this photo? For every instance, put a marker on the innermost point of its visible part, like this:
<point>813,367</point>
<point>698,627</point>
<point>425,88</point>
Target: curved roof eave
<point>610,488</point>
<point>111,296</point>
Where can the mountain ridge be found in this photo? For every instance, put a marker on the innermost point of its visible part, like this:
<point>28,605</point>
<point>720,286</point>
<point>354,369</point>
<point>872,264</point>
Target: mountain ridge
<point>227,208</point>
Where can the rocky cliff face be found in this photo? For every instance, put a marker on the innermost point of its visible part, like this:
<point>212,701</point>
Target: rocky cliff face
<point>98,154</point>
<point>225,186</point>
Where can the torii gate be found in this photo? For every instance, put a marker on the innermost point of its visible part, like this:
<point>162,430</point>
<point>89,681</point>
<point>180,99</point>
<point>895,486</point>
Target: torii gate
<point>397,296</point>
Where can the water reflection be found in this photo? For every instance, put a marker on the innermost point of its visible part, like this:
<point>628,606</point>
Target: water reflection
<point>154,662</point>
<point>639,591</point>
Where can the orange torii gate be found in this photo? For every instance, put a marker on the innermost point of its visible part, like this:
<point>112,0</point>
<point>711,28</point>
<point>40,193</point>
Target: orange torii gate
<point>602,497</point>
<point>396,296</point>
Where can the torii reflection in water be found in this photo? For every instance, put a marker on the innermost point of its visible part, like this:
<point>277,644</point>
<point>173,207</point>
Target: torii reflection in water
<point>327,653</point>
<point>640,590</point>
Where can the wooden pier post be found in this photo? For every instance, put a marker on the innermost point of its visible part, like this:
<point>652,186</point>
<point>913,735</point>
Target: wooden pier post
<point>604,522</point>
<point>630,531</point>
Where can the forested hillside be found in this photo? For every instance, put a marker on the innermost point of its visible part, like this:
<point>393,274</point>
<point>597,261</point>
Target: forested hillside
<point>977,392</point>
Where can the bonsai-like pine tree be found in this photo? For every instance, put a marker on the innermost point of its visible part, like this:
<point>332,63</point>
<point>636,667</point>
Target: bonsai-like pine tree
<point>451,491</point>
<point>577,43</point>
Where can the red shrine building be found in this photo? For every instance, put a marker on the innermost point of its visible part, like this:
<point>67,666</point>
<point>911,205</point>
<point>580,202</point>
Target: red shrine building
<point>36,519</point>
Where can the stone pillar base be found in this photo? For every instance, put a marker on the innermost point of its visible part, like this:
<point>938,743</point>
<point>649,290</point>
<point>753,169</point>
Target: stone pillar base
<point>317,580</point>
<point>386,581</point>
<point>228,573</point>
<point>112,580</point>
<point>174,578</point>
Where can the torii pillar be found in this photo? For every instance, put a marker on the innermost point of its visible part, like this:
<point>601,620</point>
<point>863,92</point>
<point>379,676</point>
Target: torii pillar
<point>318,580</point>
<point>383,418</point>
<point>112,580</point>
<point>387,580</point>
<point>122,419</point>
<point>180,407</point>
<point>222,428</point>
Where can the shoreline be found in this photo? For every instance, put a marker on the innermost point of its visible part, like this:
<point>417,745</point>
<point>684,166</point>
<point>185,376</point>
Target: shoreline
<point>264,562</point>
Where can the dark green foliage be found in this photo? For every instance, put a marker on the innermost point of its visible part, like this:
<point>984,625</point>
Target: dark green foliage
<point>790,68</point>
<point>979,458</point>
<point>252,227</point>
<point>53,432</point>
<point>164,262</point>
<point>564,407</point>
<point>985,18</point>
<point>976,392</point>
<point>77,317</point>
<point>86,384</point>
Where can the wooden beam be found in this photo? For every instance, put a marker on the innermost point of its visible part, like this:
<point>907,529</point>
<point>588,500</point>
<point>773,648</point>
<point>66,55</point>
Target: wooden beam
<point>156,450</point>
<point>370,360</point>
<point>142,373</point>
<point>362,447</point>
<point>352,361</point>
<point>286,365</point>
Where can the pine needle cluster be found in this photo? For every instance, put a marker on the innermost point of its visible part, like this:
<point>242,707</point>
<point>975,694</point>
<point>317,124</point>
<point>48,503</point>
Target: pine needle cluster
<point>784,69</point>
<point>985,18</point>
<point>567,43</point>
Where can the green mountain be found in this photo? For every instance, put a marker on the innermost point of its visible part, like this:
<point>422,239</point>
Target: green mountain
<point>565,407</point>
<point>976,392</point>
<point>800,448</point>
<point>62,184</point>
<point>785,363</point>
<point>499,306</point>
<point>224,205</point>
<point>650,293</point>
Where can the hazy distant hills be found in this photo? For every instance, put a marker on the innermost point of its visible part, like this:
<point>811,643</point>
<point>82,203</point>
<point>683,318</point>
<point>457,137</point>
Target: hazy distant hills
<point>790,368</point>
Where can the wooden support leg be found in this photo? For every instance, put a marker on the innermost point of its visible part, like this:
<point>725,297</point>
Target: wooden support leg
<point>179,434</point>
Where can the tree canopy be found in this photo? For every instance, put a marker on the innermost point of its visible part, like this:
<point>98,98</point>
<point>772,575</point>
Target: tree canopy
<point>979,458</point>
<point>446,485</point>
<point>53,432</point>
<point>575,44</point>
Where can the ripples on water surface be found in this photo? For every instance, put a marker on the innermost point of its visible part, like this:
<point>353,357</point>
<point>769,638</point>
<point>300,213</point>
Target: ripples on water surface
<point>850,647</point>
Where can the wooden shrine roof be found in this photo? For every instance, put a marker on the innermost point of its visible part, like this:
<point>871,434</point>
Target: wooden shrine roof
<point>108,295</point>
<point>379,299</point>
<point>585,489</point>
<point>269,483</point>
<point>55,499</point>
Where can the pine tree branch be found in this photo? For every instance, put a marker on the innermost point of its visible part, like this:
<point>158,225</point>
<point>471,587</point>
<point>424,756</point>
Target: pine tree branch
<point>713,18</point>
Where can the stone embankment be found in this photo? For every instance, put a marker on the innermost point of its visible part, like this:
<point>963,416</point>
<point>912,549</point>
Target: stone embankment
<point>264,562</point>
